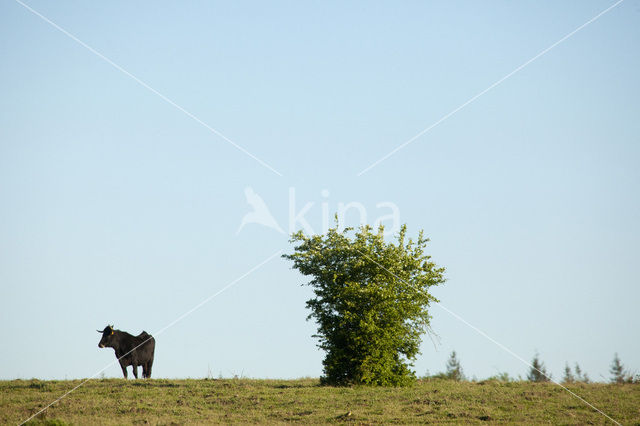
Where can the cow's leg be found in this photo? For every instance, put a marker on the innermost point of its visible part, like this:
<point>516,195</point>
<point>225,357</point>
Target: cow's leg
<point>149,363</point>
<point>124,369</point>
<point>144,370</point>
<point>135,370</point>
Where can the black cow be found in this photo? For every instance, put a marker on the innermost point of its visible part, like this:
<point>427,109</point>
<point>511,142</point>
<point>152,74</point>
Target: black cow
<point>130,350</point>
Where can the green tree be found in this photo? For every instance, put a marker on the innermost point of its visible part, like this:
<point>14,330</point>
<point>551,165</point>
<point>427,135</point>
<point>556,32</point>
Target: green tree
<point>618,373</point>
<point>454,369</point>
<point>371,301</point>
<point>580,376</point>
<point>502,377</point>
<point>575,376</point>
<point>568,375</point>
<point>538,372</point>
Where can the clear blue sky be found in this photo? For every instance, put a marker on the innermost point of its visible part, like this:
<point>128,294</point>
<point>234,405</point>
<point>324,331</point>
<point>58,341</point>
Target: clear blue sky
<point>119,208</point>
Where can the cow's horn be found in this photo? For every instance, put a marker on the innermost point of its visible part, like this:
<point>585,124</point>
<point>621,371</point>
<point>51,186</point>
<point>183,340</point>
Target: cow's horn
<point>99,331</point>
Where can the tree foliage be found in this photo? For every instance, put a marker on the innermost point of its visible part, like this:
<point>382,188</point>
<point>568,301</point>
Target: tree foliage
<point>580,376</point>
<point>454,369</point>
<point>619,373</point>
<point>370,304</point>
<point>575,376</point>
<point>538,372</point>
<point>568,375</point>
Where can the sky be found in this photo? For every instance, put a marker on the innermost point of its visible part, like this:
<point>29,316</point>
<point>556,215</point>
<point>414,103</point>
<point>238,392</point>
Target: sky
<point>130,156</point>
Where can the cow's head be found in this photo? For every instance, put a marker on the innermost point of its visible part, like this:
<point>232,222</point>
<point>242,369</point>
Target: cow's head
<point>107,337</point>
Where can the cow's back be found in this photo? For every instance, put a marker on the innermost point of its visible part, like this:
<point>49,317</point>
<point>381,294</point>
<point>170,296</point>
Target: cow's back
<point>147,345</point>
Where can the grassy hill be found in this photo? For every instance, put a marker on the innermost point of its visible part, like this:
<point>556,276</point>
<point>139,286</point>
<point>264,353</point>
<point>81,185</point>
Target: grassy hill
<point>116,401</point>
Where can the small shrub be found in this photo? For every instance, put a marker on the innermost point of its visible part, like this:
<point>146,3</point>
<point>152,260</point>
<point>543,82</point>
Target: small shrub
<point>502,377</point>
<point>37,384</point>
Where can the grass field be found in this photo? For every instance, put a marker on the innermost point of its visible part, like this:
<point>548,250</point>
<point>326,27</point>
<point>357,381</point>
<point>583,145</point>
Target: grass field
<point>116,401</point>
